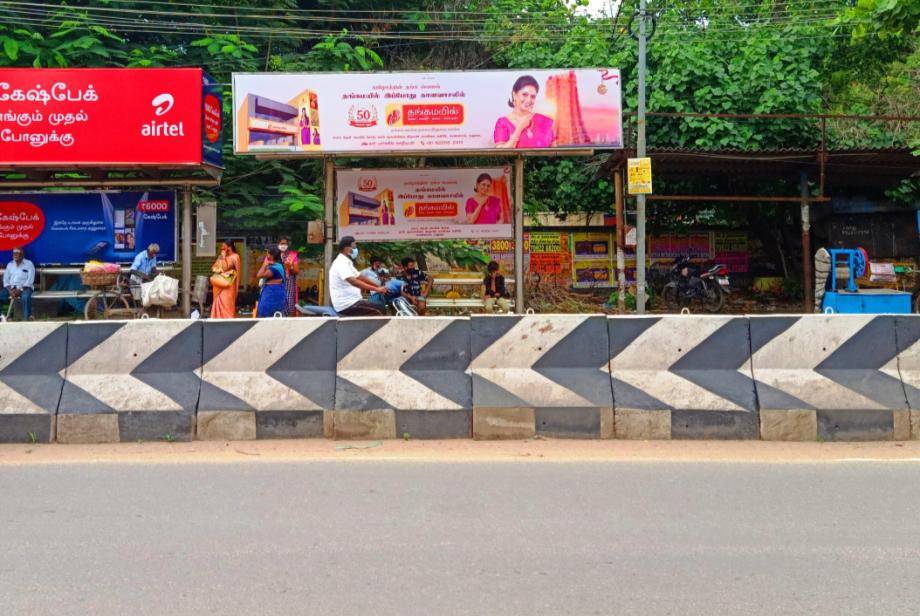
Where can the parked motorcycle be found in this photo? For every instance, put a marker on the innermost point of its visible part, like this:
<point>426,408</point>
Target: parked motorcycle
<point>710,287</point>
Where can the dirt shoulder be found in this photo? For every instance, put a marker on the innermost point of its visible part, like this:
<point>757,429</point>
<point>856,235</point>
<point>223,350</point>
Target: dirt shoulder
<point>461,451</point>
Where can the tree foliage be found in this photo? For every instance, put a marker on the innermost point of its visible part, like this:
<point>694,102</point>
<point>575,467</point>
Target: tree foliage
<point>718,56</point>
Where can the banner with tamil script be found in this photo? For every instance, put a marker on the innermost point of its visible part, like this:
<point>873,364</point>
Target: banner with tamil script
<point>423,112</point>
<point>70,228</point>
<point>109,117</point>
<point>414,204</point>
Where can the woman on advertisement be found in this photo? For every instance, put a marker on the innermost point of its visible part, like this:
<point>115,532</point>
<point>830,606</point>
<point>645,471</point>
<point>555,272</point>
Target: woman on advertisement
<point>483,208</point>
<point>304,127</point>
<point>522,128</point>
<point>225,281</point>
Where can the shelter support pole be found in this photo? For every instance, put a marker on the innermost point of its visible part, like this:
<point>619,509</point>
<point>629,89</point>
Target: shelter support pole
<point>186,251</point>
<point>328,224</point>
<point>809,281</point>
<point>640,153</point>
<point>519,235</point>
<point>621,240</point>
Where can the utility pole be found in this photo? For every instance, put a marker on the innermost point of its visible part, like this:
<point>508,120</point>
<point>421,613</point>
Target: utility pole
<point>640,153</point>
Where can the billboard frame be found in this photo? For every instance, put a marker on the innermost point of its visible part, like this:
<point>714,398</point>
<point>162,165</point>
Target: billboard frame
<point>532,152</point>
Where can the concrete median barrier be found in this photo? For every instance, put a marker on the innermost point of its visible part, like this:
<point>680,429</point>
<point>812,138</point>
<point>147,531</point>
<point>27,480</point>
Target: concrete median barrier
<point>266,378</point>
<point>830,377</point>
<point>130,380</point>
<point>401,376</point>
<point>541,374</point>
<point>32,357</point>
<point>682,377</point>
<point>907,334</point>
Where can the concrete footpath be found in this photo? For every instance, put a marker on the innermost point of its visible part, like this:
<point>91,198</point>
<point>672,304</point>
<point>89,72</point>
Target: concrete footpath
<point>457,527</point>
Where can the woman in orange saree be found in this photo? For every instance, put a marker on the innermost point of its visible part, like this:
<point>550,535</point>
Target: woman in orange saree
<point>225,281</point>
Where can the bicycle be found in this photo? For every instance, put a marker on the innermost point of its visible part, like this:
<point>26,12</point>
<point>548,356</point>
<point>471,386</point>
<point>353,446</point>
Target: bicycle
<point>114,297</point>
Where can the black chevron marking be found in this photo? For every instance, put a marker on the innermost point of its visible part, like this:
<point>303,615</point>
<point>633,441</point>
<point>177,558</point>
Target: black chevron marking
<point>171,368</point>
<point>855,364</point>
<point>713,364</point>
<point>578,362</point>
<point>309,368</point>
<point>442,363</point>
<point>35,374</point>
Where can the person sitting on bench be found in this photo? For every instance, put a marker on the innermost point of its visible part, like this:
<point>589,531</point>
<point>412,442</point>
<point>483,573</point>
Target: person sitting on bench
<point>19,280</point>
<point>493,289</point>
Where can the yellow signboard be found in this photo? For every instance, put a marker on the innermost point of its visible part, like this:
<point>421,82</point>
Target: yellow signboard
<point>639,175</point>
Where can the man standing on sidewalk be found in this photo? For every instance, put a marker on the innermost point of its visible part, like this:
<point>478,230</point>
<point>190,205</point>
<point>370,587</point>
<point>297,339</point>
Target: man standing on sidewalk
<point>18,280</point>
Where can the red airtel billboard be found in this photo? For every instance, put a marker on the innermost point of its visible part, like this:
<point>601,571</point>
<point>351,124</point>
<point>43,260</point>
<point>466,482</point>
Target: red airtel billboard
<point>109,116</point>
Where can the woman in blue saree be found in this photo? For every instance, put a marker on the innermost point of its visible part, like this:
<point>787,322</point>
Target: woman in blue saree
<point>272,297</point>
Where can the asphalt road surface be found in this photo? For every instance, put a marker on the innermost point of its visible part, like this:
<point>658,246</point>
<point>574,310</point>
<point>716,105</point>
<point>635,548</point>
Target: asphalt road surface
<point>435,537</point>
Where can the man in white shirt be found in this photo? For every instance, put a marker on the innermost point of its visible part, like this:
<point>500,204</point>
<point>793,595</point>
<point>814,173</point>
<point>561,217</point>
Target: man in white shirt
<point>18,280</point>
<point>345,284</point>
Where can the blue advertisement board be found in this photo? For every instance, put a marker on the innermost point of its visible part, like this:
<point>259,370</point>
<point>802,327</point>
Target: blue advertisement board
<point>73,228</point>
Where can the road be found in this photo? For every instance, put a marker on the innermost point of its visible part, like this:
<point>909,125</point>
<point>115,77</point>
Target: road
<point>437,537</point>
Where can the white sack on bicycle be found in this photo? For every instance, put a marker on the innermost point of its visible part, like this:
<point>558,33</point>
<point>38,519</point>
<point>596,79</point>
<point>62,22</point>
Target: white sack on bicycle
<point>161,291</point>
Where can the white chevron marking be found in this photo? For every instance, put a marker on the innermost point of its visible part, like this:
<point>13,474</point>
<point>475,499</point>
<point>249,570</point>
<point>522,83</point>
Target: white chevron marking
<point>508,362</point>
<point>240,368</point>
<point>105,371</point>
<point>374,364</point>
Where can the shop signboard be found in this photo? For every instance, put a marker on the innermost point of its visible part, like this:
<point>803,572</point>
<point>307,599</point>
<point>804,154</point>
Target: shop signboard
<point>109,116</point>
<point>730,248</point>
<point>73,228</point>
<point>592,254</point>
<point>424,204</point>
<point>423,112</point>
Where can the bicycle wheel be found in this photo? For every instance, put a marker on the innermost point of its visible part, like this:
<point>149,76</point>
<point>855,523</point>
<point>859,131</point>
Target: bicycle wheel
<point>118,307</point>
<point>95,307</point>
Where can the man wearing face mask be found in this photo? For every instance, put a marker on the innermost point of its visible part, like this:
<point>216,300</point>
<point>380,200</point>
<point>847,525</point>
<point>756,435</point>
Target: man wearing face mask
<point>345,284</point>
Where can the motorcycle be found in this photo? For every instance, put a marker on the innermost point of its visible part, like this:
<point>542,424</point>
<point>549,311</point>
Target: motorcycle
<point>711,288</point>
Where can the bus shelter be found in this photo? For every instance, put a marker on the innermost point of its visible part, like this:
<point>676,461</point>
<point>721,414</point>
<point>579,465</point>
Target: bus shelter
<point>501,116</point>
<point>91,159</point>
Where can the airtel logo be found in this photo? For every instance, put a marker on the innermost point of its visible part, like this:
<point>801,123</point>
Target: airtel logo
<point>162,103</point>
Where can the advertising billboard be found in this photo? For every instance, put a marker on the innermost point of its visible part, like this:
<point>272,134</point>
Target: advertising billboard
<point>422,112</point>
<point>414,204</point>
<point>108,116</point>
<point>73,228</point>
